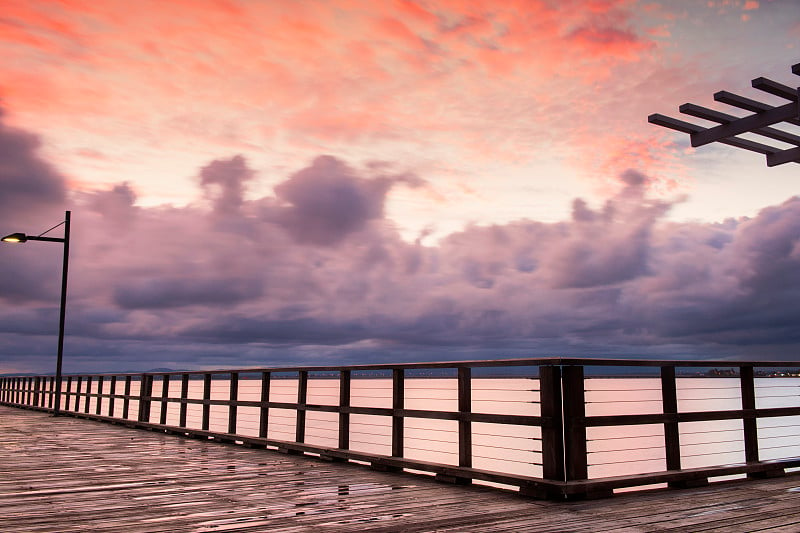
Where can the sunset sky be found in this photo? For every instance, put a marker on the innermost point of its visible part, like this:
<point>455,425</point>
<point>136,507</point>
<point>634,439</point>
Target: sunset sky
<point>281,182</point>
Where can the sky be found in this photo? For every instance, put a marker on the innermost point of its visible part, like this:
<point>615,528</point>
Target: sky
<point>277,183</point>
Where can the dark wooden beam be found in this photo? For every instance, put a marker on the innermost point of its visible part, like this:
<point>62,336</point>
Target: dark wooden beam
<point>749,104</point>
<point>724,118</point>
<point>745,124</point>
<point>773,87</point>
<point>792,155</point>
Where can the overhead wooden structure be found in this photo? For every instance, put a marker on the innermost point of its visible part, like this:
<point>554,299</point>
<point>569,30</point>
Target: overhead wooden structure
<point>761,122</point>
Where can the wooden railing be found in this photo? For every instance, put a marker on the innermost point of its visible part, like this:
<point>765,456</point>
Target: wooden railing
<point>552,428</point>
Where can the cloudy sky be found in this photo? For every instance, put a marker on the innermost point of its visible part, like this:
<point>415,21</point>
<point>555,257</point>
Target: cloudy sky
<point>276,182</point>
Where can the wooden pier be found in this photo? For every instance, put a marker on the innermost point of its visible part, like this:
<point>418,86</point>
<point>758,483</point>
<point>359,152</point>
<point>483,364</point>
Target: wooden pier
<point>68,474</point>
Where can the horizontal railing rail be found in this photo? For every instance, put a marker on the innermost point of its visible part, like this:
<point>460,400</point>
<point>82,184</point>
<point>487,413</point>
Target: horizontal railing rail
<point>555,428</point>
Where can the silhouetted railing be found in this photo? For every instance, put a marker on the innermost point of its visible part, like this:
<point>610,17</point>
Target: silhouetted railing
<point>553,428</point>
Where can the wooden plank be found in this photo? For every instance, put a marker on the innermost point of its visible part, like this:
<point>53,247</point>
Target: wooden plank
<point>81,476</point>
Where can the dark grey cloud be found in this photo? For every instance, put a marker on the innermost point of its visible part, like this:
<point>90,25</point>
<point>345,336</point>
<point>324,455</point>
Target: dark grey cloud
<point>165,293</point>
<point>27,182</point>
<point>327,201</point>
<point>32,199</point>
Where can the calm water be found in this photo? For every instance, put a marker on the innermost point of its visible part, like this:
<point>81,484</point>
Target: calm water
<point>505,448</point>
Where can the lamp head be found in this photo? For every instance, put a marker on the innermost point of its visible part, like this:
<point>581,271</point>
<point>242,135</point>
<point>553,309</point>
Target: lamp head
<point>15,237</point>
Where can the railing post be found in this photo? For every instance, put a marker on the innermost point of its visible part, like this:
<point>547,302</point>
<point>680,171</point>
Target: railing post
<point>552,427</point>
<point>398,404</point>
<point>36,391</point>
<point>184,397</point>
<point>206,401</point>
<point>232,407</point>
<point>145,396</point>
<point>164,397</point>
<point>112,392</point>
<point>263,417</point>
<point>344,403</point>
<point>100,381</point>
<point>88,396</point>
<point>464,422</point>
<point>747,381</point>
<point>78,387</point>
<point>574,426</point>
<point>302,394</point>
<point>126,401</point>
<point>68,393</point>
<point>669,402</point>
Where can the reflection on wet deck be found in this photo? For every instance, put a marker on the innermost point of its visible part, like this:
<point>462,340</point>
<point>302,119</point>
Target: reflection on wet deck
<point>66,474</point>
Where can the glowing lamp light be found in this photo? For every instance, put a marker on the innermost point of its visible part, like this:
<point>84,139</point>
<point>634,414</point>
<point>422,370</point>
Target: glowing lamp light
<point>15,237</point>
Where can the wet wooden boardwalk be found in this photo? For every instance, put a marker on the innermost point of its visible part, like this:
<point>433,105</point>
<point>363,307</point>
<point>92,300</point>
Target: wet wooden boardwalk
<point>66,474</point>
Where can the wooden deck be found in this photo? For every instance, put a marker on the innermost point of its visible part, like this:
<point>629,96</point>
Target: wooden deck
<point>68,474</point>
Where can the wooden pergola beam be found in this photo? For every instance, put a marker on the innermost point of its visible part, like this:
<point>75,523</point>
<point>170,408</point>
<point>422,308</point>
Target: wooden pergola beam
<point>724,118</point>
<point>773,87</point>
<point>743,102</point>
<point>745,124</point>
<point>687,127</point>
<point>764,116</point>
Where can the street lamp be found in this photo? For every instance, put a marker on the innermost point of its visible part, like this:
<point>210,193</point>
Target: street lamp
<point>20,238</point>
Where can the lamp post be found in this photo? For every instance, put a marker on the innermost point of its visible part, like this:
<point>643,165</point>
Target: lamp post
<point>21,238</point>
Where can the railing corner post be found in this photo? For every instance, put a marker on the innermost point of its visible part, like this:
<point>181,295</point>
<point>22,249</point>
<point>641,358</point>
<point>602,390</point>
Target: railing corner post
<point>552,428</point>
<point>574,398</point>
